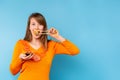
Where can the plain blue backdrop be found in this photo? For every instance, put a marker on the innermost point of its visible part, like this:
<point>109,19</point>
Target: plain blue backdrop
<point>93,25</point>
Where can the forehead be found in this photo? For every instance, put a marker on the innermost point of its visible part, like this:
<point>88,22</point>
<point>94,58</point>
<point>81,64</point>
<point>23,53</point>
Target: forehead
<point>33,20</point>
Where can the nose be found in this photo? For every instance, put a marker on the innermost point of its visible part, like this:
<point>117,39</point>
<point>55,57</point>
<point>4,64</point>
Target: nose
<point>37,27</point>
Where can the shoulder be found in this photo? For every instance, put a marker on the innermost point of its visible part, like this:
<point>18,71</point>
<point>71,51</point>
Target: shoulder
<point>20,42</point>
<point>52,42</point>
<point>57,42</point>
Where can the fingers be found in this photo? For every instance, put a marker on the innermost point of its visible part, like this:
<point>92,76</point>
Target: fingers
<point>53,32</point>
<point>22,56</point>
<point>35,58</point>
<point>26,56</point>
<point>29,56</point>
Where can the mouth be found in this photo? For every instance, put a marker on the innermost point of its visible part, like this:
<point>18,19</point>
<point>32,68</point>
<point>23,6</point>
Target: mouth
<point>36,32</point>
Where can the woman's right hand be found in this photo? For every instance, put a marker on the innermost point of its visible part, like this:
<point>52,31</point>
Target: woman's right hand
<point>26,56</point>
<point>29,56</point>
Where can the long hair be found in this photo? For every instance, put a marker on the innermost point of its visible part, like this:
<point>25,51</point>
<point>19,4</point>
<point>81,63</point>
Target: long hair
<point>41,20</point>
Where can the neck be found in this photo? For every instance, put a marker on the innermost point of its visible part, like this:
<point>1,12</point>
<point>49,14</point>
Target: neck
<point>35,42</point>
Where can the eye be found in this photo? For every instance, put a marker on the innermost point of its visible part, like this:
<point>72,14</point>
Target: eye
<point>33,24</point>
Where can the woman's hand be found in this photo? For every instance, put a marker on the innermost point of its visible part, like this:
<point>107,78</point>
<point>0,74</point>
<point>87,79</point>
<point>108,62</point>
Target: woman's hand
<point>26,56</point>
<point>35,57</point>
<point>55,34</point>
<point>29,56</point>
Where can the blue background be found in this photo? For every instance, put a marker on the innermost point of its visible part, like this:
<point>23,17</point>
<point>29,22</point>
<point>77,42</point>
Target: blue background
<point>93,25</point>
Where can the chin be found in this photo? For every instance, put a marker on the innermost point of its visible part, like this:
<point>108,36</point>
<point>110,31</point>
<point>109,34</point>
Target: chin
<point>36,37</point>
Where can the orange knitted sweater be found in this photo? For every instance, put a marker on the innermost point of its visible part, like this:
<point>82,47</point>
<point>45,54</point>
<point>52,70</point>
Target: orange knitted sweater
<point>31,70</point>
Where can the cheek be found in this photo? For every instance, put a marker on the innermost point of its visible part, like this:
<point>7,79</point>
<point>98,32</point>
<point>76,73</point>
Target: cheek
<point>31,28</point>
<point>41,27</point>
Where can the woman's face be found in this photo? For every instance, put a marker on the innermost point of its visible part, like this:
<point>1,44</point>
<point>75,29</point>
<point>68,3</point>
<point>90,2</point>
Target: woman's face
<point>34,25</point>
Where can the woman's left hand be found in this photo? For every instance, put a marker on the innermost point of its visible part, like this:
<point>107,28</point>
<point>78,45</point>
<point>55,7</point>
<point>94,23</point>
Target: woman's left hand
<point>55,34</point>
<point>35,57</point>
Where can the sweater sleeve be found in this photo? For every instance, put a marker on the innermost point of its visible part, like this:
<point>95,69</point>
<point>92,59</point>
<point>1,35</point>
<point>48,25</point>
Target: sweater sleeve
<point>16,62</point>
<point>66,47</point>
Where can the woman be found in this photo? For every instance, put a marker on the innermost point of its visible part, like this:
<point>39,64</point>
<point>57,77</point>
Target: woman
<point>33,55</point>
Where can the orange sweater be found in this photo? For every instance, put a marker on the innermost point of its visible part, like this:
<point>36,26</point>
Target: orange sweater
<point>31,70</point>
